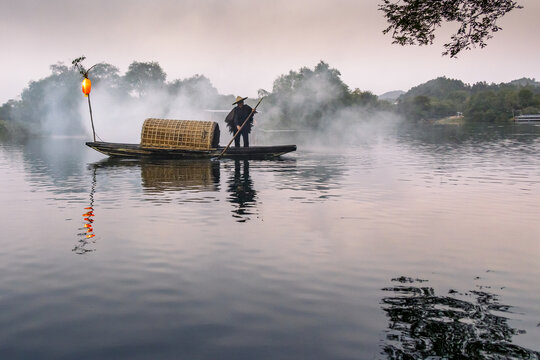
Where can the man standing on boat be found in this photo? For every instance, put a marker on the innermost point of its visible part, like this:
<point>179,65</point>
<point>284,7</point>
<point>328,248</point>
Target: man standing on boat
<point>236,118</point>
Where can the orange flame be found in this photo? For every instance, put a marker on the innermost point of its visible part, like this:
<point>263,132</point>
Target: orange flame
<point>86,86</point>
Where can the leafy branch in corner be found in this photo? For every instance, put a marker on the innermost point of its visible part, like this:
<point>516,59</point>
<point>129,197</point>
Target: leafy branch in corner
<point>413,22</point>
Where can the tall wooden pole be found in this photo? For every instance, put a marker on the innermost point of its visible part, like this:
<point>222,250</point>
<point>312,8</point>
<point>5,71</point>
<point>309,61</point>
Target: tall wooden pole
<point>91,118</point>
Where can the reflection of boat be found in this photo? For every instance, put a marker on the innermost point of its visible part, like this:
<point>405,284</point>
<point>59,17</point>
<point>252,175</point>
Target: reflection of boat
<point>164,175</point>
<point>184,139</point>
<point>136,151</point>
<point>190,174</point>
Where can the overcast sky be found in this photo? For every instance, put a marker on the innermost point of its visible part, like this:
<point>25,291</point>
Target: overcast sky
<point>244,45</point>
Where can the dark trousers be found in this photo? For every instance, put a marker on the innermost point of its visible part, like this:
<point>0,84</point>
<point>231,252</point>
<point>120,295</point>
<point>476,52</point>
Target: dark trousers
<point>245,136</point>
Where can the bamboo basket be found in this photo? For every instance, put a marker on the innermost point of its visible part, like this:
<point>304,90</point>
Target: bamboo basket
<point>179,134</point>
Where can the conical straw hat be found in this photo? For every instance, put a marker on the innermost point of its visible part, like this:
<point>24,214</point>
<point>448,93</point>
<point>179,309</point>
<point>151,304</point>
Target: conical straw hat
<point>238,99</point>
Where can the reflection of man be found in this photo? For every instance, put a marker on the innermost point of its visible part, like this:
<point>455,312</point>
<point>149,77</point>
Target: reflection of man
<point>236,118</point>
<point>241,190</point>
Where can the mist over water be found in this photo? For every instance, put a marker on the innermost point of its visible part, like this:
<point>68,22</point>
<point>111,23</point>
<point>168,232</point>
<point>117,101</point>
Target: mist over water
<point>119,119</point>
<point>120,122</point>
<point>314,104</point>
<point>377,239</point>
<point>411,242</point>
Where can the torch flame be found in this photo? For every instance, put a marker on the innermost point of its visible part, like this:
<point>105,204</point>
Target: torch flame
<point>86,86</point>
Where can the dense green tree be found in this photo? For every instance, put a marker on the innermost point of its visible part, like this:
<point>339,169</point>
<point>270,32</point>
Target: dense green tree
<point>195,86</point>
<point>364,98</point>
<point>142,77</point>
<point>422,104</point>
<point>312,98</point>
<point>480,86</point>
<point>510,99</point>
<point>305,96</point>
<point>6,110</point>
<point>10,131</point>
<point>490,106</point>
<point>49,105</point>
<point>104,72</point>
<point>457,100</point>
<point>526,98</point>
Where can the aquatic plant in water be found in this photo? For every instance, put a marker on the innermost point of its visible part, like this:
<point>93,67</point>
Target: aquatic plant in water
<point>424,324</point>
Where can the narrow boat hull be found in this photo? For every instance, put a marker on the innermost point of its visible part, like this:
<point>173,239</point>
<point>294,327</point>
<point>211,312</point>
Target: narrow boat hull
<point>136,151</point>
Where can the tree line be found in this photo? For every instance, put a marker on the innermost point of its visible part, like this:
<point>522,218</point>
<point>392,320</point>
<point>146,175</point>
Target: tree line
<point>55,104</point>
<point>308,98</point>
<point>479,102</point>
<point>311,98</point>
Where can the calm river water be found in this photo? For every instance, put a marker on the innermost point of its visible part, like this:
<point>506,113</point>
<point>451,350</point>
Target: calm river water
<point>421,243</point>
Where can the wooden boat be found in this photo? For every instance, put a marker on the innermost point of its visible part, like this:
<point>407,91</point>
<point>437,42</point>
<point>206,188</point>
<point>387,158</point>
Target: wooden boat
<point>534,118</point>
<point>136,151</point>
<point>184,139</point>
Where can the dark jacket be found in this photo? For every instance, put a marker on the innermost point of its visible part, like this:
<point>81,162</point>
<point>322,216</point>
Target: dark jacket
<point>237,116</point>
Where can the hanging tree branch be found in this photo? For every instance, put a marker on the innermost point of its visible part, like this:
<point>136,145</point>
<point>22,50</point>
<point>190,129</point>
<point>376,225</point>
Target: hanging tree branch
<point>413,22</point>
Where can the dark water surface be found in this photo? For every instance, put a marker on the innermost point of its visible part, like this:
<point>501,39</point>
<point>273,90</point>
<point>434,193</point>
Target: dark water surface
<point>410,244</point>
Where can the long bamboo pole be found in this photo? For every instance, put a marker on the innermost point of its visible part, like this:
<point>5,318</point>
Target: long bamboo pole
<point>91,118</point>
<point>241,127</point>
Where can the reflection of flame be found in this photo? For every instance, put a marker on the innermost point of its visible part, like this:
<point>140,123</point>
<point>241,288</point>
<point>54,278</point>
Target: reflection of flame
<point>80,249</point>
<point>88,228</point>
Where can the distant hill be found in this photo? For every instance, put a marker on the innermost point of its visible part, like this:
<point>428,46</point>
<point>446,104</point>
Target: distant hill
<point>443,88</point>
<point>457,102</point>
<point>439,88</point>
<point>525,82</point>
<point>391,95</point>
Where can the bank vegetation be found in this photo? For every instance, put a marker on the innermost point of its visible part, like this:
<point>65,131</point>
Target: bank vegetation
<point>307,98</point>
